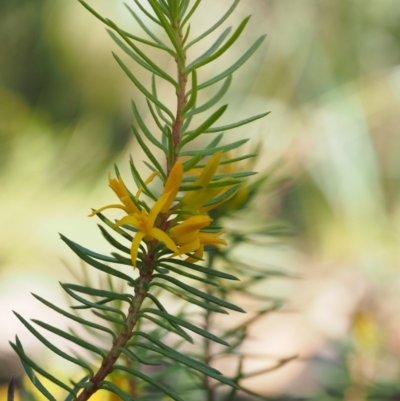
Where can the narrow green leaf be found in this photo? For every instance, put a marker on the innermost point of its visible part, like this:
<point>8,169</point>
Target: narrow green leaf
<point>209,51</point>
<point>69,337</point>
<point>224,196</point>
<point>112,225</point>
<point>145,12</point>
<point>158,109</point>
<point>191,363</point>
<point>165,325</point>
<point>149,380</point>
<point>94,263</point>
<point>28,362</point>
<point>165,347</point>
<point>211,151</point>
<point>139,56</point>
<point>110,318</point>
<point>216,273</point>
<point>173,324</point>
<point>74,317</point>
<point>214,100</point>
<point>192,101</point>
<point>168,29</point>
<point>142,184</point>
<point>155,118</point>
<point>189,164</point>
<point>186,35</point>
<point>201,294</point>
<point>148,31</point>
<point>100,293</point>
<point>49,345</point>
<point>188,275</point>
<point>191,135</point>
<point>137,38</point>
<point>145,130</point>
<point>215,26</point>
<point>88,304</point>
<point>148,152</point>
<point>77,385</point>
<point>135,357</point>
<point>223,49</point>
<point>233,160</point>
<point>223,183</point>
<point>185,324</point>
<point>192,300</point>
<point>107,385</point>
<point>190,13</point>
<point>111,240</point>
<point>95,255</point>
<point>124,260</point>
<point>142,89</point>
<point>234,66</point>
<point>237,124</point>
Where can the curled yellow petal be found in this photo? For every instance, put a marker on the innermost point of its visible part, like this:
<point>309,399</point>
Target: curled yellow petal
<point>172,185</point>
<point>135,247</point>
<point>148,181</point>
<point>115,206</point>
<point>163,237</point>
<point>193,223</point>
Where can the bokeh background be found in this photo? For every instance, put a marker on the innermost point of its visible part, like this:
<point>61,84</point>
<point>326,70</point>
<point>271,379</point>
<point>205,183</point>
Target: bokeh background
<point>328,72</point>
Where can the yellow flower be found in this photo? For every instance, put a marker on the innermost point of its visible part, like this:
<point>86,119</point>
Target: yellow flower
<point>189,238</point>
<point>146,222</point>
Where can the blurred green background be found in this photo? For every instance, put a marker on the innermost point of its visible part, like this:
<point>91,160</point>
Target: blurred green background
<point>329,73</point>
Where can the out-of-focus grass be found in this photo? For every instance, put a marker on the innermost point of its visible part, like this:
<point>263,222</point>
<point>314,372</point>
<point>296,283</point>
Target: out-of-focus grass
<point>329,73</point>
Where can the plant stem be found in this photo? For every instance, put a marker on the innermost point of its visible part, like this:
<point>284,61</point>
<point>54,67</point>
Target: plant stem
<point>124,336</point>
<point>180,94</point>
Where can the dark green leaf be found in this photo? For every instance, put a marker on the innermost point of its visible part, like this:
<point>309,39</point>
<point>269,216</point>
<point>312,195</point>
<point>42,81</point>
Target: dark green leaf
<point>145,130</point>
<point>216,273</point>
<point>107,385</point>
<point>192,101</point>
<point>201,294</point>
<point>173,324</point>
<point>210,51</point>
<point>211,151</point>
<point>28,362</point>
<point>215,26</point>
<point>74,317</point>
<point>192,300</point>
<point>234,66</point>
<point>203,61</point>
<point>214,100</point>
<point>148,152</point>
<point>185,324</point>
<point>88,304</point>
<point>94,263</point>
<point>237,124</point>
<point>49,345</point>
<point>141,87</point>
<point>69,337</point>
<point>201,129</point>
<point>149,380</point>
<point>111,240</point>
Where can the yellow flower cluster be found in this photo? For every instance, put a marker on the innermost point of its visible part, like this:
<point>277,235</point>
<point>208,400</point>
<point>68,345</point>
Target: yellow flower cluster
<point>177,226</point>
